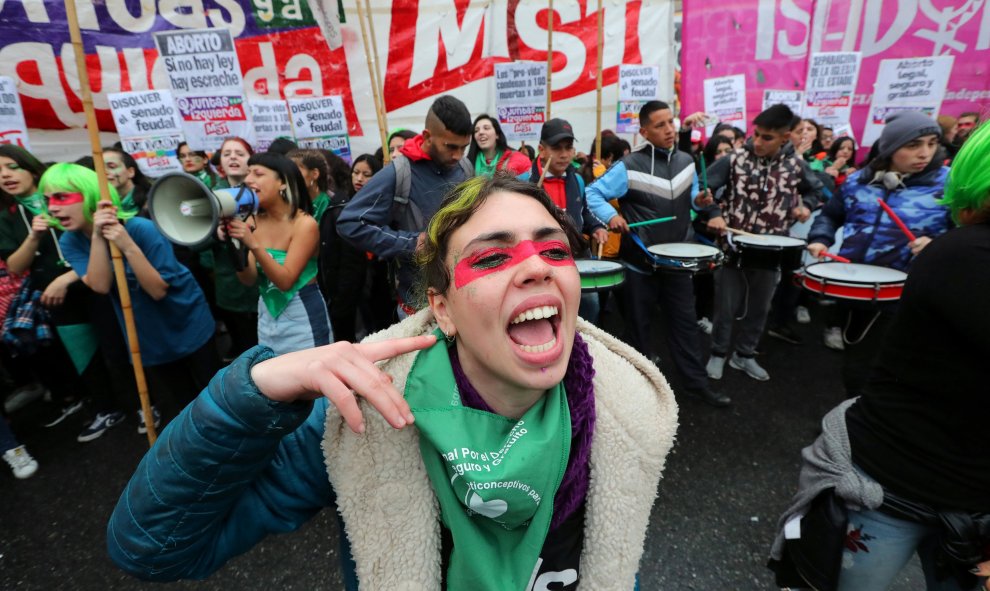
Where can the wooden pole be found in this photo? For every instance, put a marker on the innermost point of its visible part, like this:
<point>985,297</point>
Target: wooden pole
<point>379,110</point>
<point>550,20</point>
<point>378,72</point>
<point>118,261</point>
<point>598,82</point>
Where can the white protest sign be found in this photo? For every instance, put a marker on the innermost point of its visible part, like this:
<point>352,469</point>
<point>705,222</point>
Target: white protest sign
<point>725,98</point>
<point>271,121</point>
<point>13,130</point>
<point>831,86</point>
<point>794,99</point>
<point>205,75</point>
<point>637,85</point>
<point>150,128</point>
<point>319,123</point>
<point>520,99</point>
<point>916,84</point>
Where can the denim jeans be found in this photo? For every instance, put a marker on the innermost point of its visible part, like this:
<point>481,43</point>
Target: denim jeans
<point>303,324</point>
<point>877,548</point>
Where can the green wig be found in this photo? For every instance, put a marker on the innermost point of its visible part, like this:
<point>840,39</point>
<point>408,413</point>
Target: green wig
<point>968,186</point>
<point>74,178</point>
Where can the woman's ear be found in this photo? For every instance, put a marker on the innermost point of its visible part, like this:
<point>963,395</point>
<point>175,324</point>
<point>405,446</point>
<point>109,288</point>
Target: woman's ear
<point>438,304</point>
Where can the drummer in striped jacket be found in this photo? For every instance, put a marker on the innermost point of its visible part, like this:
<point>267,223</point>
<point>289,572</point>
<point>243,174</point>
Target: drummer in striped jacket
<point>761,196</point>
<point>654,181</point>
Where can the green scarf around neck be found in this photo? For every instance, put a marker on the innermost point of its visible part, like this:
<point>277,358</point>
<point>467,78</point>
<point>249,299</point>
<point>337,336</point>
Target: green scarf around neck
<point>485,168</point>
<point>35,203</point>
<point>494,477</point>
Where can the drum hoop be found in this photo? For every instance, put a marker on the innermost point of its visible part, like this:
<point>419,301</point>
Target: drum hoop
<point>618,268</point>
<point>845,281</point>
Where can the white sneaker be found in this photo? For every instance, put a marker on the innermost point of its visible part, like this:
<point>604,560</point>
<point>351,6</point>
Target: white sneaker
<point>750,366</point>
<point>142,427</point>
<point>715,367</point>
<point>803,315</point>
<point>705,325</point>
<point>21,462</point>
<point>833,339</point>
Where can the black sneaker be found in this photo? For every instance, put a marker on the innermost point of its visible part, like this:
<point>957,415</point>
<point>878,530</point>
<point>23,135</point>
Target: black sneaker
<point>707,395</point>
<point>785,333</point>
<point>100,424</point>
<point>63,413</point>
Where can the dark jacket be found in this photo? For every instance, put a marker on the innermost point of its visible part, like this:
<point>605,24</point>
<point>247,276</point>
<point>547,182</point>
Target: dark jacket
<point>577,206</point>
<point>369,221</point>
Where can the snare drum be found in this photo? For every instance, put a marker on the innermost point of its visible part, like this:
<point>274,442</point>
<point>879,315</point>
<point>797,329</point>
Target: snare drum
<point>597,275</point>
<point>854,281</point>
<point>685,257</point>
<point>776,253</point>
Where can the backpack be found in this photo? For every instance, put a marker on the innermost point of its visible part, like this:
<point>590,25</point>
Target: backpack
<point>406,215</point>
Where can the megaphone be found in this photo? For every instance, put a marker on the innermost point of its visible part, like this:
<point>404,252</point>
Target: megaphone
<point>187,212</point>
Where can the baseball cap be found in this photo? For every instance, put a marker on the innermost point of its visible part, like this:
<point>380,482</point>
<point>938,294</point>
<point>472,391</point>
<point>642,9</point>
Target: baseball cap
<point>556,130</point>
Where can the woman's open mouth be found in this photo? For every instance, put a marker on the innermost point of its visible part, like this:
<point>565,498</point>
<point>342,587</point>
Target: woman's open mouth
<point>534,332</point>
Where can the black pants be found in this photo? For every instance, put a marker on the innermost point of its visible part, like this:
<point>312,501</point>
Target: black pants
<point>675,294</point>
<point>865,331</point>
<point>174,385</point>
<point>242,328</point>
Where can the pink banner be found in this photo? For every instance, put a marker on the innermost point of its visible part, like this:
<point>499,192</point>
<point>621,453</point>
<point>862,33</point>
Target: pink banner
<point>768,41</point>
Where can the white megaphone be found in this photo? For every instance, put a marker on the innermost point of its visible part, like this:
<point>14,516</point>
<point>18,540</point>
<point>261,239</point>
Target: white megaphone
<point>187,212</point>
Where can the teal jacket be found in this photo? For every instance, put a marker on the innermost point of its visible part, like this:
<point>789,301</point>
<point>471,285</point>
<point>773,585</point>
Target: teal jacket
<point>258,470</point>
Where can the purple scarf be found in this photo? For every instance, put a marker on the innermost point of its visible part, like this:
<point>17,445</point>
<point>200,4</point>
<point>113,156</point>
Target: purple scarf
<point>581,401</point>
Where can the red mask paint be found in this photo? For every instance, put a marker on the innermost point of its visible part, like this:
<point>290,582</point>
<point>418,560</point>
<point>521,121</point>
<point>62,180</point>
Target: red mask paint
<point>64,198</point>
<point>492,260</point>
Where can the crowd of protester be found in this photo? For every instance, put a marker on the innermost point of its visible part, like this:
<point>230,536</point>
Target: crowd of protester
<point>330,255</point>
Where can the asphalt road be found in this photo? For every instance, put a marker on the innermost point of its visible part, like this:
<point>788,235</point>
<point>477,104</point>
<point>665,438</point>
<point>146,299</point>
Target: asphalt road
<point>730,475</point>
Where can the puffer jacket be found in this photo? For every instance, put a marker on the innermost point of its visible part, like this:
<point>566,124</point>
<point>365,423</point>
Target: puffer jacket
<point>236,466</point>
<point>869,235</point>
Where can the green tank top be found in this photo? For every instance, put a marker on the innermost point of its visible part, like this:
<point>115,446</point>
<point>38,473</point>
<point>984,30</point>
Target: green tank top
<point>274,298</point>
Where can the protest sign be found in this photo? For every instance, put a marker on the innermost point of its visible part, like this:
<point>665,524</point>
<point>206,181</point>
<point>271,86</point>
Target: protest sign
<point>916,84</point>
<point>320,123</point>
<point>520,99</point>
<point>206,78</point>
<point>149,122</point>
<point>725,98</point>
<point>794,99</point>
<point>271,121</point>
<point>830,87</point>
<point>12,127</point>
<point>637,85</point>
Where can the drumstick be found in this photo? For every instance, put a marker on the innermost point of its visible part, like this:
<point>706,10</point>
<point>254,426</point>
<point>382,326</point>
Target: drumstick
<point>897,220</point>
<point>601,245</point>
<point>546,167</point>
<point>834,257</point>
<point>651,222</point>
<point>704,175</point>
<point>745,233</point>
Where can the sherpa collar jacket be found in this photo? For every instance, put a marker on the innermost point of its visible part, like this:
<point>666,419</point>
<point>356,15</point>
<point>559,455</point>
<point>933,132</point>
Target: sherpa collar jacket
<point>234,467</point>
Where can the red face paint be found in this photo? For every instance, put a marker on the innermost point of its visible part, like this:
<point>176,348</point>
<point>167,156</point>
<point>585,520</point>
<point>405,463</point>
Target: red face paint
<point>493,260</point>
<point>64,198</point>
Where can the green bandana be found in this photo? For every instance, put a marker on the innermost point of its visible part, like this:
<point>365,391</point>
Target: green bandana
<point>483,168</point>
<point>127,202</point>
<point>320,205</point>
<point>276,300</point>
<point>495,477</point>
<point>205,177</point>
<point>35,203</point>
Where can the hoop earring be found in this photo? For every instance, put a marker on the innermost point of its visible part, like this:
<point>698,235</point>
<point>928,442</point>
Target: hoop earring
<point>450,338</point>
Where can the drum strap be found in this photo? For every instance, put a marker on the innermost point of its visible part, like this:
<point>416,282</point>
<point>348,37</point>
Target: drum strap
<point>639,242</point>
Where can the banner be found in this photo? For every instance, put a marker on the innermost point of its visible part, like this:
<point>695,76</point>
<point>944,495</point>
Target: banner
<point>148,122</point>
<point>907,84</point>
<point>794,99</point>
<point>769,42</point>
<point>426,48</point>
<point>271,121</point>
<point>725,98</point>
<point>320,123</point>
<point>637,85</point>
<point>521,99</point>
<point>828,93</point>
<point>12,127</point>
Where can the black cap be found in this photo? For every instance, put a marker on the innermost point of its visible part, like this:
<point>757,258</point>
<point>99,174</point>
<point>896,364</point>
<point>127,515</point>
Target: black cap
<point>555,131</point>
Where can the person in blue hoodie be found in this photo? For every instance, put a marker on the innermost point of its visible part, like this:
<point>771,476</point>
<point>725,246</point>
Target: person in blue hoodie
<point>389,215</point>
<point>907,176</point>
